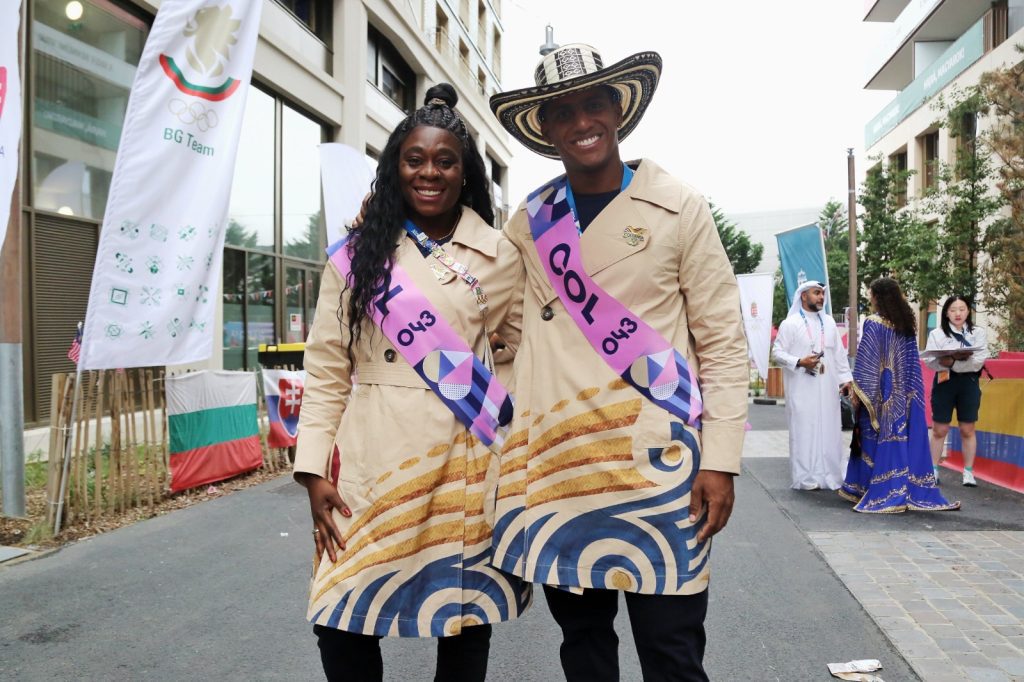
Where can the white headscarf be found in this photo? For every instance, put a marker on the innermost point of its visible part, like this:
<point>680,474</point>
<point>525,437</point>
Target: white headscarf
<point>809,284</point>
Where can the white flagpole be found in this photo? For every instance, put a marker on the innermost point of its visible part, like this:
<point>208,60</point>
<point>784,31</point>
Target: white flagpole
<point>65,473</point>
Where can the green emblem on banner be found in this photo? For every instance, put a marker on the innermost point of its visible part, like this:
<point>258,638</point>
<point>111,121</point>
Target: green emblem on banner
<point>150,296</point>
<point>123,262</point>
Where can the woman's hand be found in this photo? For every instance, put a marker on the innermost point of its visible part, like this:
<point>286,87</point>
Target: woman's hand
<point>323,497</point>
<point>947,361</point>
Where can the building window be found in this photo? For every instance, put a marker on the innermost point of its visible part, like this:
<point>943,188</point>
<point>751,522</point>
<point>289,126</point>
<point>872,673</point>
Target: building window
<point>464,66</point>
<point>929,147</point>
<point>83,71</point>
<point>251,210</point>
<point>481,27</point>
<point>497,173</point>
<point>496,56</point>
<point>386,69</point>
<point>314,14</point>
<point>897,169</point>
<point>300,186</point>
<point>967,136</point>
<point>441,41</point>
<point>274,245</point>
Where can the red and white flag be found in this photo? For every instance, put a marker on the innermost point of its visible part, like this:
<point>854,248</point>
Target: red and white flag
<point>75,352</point>
<point>283,392</point>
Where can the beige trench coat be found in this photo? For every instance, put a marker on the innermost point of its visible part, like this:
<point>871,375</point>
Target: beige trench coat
<point>595,479</point>
<point>420,487</point>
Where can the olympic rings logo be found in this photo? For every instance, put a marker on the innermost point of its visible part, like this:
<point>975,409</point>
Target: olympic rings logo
<point>193,112</point>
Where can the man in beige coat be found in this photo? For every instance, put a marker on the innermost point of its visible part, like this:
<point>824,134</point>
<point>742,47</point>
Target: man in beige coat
<point>609,481</point>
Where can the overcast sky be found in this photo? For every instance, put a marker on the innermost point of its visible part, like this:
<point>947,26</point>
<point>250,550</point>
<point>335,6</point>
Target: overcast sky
<point>757,103</point>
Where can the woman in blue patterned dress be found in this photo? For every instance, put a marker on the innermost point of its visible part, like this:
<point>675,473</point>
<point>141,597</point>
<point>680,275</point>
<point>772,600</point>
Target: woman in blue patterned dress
<point>893,472</point>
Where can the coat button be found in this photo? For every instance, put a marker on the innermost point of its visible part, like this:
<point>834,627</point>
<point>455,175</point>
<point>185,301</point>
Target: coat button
<point>389,355</point>
<point>546,313</point>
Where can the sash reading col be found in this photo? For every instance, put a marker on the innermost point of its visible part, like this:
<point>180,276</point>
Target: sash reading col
<point>631,347</point>
<point>438,354</point>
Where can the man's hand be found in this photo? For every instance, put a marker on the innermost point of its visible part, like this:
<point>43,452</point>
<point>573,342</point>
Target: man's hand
<point>713,489</point>
<point>846,388</point>
<point>323,497</point>
<point>357,222</point>
<point>807,362</point>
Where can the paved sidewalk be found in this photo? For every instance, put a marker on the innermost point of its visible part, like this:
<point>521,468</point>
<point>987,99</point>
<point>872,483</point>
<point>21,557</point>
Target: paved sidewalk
<point>946,588</point>
<point>951,602</point>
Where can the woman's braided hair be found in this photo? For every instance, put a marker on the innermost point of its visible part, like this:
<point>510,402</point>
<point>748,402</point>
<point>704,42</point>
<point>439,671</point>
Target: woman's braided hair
<point>373,245</point>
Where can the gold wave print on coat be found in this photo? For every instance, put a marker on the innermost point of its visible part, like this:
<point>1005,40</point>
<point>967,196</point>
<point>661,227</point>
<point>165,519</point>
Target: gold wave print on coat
<point>606,418</point>
<point>440,534</point>
<point>469,471</point>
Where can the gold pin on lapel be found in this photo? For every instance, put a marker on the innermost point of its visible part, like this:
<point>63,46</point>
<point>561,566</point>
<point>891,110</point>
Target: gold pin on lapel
<point>634,235</point>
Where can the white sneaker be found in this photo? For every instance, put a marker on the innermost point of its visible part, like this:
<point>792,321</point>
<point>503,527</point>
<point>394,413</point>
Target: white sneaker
<point>969,479</point>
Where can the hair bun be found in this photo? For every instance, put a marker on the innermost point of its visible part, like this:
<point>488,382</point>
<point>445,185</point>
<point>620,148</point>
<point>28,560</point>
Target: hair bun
<point>444,92</point>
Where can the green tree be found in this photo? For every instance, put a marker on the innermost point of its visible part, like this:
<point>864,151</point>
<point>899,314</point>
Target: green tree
<point>894,241</point>
<point>1003,88</point>
<point>744,255</point>
<point>965,199</point>
<point>780,306</point>
<point>311,242</point>
<point>835,228</point>
<point>237,235</point>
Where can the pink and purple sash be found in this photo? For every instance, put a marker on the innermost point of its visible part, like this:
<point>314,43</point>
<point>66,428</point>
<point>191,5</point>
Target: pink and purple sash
<point>438,354</point>
<point>632,348</point>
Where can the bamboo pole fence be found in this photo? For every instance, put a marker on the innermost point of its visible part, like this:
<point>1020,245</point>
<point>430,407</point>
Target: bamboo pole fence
<point>119,454</point>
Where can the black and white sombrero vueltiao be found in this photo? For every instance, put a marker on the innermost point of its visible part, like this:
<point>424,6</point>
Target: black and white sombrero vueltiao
<point>571,68</point>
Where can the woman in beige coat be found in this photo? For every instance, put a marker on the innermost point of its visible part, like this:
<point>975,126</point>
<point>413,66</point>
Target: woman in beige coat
<point>401,491</point>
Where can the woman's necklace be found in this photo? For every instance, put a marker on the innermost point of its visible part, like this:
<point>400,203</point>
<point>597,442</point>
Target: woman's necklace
<point>458,217</point>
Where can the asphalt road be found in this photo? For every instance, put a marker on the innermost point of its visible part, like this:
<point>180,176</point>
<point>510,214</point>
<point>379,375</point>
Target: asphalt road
<point>218,591</point>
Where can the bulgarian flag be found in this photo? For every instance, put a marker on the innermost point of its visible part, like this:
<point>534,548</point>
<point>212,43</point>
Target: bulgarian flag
<point>214,433</point>
<point>283,391</point>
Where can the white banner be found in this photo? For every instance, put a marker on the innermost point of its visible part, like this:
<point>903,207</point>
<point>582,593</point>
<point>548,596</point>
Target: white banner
<point>10,107</point>
<point>159,261</point>
<point>345,176</point>
<point>756,301</point>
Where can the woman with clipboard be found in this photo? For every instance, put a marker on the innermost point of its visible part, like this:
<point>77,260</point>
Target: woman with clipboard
<point>957,351</point>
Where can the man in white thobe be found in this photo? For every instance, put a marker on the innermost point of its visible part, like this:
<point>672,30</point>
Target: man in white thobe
<point>816,372</point>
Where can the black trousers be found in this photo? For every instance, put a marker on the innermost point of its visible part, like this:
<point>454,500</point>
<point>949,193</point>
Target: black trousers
<point>668,630</point>
<point>351,657</point>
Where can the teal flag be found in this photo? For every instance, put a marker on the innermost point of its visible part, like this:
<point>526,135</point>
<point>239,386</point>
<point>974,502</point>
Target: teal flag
<point>802,253</point>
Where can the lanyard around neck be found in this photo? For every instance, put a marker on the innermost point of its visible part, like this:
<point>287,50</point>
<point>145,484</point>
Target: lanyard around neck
<point>460,270</point>
<point>627,177</point>
<point>807,327</point>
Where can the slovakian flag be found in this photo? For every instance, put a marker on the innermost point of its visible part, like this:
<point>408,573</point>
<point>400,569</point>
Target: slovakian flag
<point>283,391</point>
<point>212,425</point>
<point>153,295</point>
